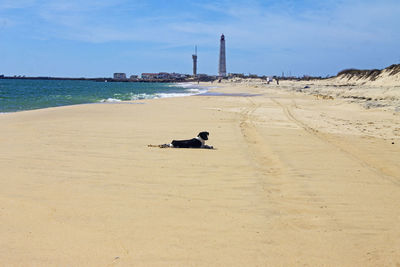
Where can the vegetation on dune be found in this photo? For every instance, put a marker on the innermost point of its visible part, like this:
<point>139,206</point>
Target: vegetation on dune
<point>394,69</point>
<point>372,75</point>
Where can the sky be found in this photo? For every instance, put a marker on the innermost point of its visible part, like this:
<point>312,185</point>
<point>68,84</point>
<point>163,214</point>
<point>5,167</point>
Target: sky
<point>95,38</point>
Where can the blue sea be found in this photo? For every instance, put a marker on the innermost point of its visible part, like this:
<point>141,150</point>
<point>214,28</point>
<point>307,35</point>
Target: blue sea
<point>19,95</point>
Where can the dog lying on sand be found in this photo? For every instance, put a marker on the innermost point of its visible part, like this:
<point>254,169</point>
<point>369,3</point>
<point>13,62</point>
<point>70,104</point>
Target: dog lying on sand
<point>197,142</point>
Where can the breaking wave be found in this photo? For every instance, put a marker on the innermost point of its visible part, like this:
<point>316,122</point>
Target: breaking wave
<point>189,89</point>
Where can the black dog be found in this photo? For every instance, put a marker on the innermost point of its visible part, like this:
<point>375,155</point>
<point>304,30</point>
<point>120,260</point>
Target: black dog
<point>197,142</point>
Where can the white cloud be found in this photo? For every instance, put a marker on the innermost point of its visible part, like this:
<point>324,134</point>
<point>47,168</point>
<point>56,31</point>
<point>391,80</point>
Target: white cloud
<point>248,23</point>
<point>13,4</point>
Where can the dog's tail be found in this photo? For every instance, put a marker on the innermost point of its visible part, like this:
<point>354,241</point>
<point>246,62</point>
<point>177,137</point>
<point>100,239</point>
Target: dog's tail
<point>160,146</point>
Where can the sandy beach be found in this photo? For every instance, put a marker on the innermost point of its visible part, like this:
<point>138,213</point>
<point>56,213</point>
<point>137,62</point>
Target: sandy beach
<point>296,180</point>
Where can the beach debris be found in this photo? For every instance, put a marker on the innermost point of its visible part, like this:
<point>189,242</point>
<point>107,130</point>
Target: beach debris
<point>115,260</point>
<point>372,104</point>
<point>305,87</point>
<point>319,96</point>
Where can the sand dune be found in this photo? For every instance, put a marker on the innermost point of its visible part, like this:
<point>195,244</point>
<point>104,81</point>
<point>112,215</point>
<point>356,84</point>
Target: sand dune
<point>372,89</point>
<point>389,76</point>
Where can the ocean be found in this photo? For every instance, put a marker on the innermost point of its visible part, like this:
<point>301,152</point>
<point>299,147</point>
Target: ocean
<point>18,95</point>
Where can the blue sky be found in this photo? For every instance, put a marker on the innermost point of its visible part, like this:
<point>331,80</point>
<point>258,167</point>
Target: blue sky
<point>88,38</point>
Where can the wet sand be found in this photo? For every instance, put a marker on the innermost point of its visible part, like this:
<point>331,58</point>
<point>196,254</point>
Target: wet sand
<point>295,180</point>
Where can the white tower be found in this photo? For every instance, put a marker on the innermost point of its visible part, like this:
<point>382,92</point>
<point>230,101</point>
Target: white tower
<point>222,58</point>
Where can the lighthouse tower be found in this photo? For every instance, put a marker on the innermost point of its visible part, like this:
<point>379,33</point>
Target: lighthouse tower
<point>194,57</point>
<point>222,58</point>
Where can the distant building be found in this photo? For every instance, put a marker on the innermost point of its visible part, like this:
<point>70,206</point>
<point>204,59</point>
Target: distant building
<point>175,75</point>
<point>133,77</point>
<point>163,76</point>
<point>202,75</point>
<point>149,76</point>
<point>119,76</point>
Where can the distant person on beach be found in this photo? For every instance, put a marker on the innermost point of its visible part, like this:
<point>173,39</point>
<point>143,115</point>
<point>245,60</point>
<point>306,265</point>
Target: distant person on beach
<point>277,81</point>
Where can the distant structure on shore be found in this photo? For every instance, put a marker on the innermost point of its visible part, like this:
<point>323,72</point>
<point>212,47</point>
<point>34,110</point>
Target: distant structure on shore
<point>164,76</point>
<point>119,76</point>
<point>194,57</point>
<point>222,58</point>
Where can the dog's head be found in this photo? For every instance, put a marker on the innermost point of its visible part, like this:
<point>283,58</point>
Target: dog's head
<point>203,135</point>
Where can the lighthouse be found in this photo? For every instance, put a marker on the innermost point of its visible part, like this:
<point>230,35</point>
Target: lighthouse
<point>222,58</point>
<point>194,57</point>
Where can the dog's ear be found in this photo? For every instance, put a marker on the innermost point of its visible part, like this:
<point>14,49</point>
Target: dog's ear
<point>204,135</point>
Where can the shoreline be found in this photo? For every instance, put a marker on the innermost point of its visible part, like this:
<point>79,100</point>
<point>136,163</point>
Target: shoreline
<point>295,180</point>
<point>184,85</point>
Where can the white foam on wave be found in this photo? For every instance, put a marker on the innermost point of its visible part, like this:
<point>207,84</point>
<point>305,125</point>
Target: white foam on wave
<point>141,96</point>
<point>190,89</point>
<point>197,91</point>
<point>110,100</point>
<point>184,85</point>
<point>187,92</point>
<point>167,95</point>
<point>193,90</point>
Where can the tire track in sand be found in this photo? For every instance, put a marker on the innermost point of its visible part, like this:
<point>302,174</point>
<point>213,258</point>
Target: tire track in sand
<point>261,153</point>
<point>345,148</point>
<point>288,199</point>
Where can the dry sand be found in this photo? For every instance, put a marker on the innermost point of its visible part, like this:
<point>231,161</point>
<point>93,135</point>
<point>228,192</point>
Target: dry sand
<point>295,180</point>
